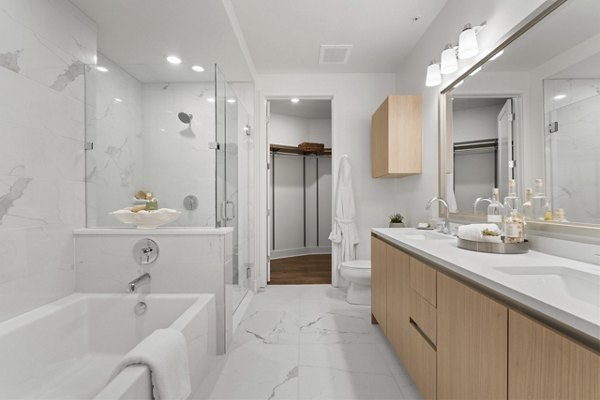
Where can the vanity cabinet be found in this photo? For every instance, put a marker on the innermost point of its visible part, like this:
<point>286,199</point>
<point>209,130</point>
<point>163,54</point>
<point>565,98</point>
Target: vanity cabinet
<point>396,137</point>
<point>458,342</point>
<point>379,282</point>
<point>398,287</point>
<point>543,364</point>
<point>472,343</point>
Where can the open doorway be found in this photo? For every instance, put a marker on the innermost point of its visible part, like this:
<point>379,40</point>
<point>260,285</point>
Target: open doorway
<point>300,191</point>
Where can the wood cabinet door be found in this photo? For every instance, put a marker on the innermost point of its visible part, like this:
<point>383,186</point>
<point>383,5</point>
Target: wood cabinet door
<point>543,364</point>
<point>398,288</point>
<point>379,281</point>
<point>472,343</point>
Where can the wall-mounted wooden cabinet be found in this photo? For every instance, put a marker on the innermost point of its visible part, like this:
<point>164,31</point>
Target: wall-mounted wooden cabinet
<point>458,342</point>
<point>396,139</point>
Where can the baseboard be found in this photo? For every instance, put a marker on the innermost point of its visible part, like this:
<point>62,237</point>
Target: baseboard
<point>305,251</point>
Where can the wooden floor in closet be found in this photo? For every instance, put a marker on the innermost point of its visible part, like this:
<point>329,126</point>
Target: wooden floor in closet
<point>301,270</point>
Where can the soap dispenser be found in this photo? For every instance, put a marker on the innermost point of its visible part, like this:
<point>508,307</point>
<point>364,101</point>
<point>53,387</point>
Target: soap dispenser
<point>540,205</point>
<point>495,210</point>
<point>528,206</point>
<point>512,201</point>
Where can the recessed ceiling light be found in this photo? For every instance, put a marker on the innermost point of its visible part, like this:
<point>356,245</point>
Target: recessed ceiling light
<point>198,68</point>
<point>498,54</point>
<point>295,100</point>
<point>474,72</point>
<point>210,99</point>
<point>101,68</point>
<point>118,100</point>
<point>162,129</point>
<point>174,59</point>
<point>231,101</point>
<point>560,96</point>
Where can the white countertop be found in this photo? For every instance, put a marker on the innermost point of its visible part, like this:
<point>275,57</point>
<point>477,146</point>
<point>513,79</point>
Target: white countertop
<point>561,289</point>
<point>190,231</point>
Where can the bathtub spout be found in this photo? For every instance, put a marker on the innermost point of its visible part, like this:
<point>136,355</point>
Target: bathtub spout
<point>140,280</point>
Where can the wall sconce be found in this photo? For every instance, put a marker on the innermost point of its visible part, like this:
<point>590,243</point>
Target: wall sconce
<point>467,43</point>
<point>434,77</point>
<point>449,63</point>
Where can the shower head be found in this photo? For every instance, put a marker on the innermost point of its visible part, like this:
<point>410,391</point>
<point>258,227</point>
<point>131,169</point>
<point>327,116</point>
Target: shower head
<point>185,118</point>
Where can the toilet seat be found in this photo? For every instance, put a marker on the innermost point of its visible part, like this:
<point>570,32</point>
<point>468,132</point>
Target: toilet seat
<point>357,264</point>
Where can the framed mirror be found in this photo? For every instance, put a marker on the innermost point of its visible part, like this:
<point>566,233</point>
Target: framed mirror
<point>529,111</point>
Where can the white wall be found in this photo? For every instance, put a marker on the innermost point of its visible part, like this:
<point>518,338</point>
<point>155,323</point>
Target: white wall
<point>288,130</point>
<point>501,17</point>
<point>354,99</point>
<point>44,47</point>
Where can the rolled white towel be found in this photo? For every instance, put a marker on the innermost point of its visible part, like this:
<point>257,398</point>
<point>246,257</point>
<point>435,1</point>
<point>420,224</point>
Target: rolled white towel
<point>165,353</point>
<point>473,232</point>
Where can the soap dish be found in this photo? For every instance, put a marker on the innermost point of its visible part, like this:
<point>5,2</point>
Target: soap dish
<point>498,248</point>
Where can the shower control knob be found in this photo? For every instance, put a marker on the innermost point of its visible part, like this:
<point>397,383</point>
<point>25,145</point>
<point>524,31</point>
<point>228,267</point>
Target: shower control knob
<point>190,202</point>
<point>145,251</point>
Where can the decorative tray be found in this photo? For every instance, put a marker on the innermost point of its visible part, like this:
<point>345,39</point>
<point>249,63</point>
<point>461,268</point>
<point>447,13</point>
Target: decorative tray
<point>493,247</point>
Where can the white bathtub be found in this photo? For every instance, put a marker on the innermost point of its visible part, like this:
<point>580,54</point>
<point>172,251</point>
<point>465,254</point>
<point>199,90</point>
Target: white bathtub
<point>68,349</point>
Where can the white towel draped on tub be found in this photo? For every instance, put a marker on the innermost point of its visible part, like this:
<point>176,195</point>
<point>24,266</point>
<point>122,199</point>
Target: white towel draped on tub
<point>165,353</point>
<point>344,234</point>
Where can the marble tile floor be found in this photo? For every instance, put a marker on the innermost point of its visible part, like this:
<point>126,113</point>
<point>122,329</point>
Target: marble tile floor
<point>306,342</point>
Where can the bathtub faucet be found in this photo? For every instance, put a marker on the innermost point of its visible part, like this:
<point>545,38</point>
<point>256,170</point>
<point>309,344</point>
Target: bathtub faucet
<point>140,280</point>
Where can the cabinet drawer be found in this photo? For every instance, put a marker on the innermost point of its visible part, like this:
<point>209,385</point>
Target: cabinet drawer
<point>422,365</point>
<point>423,280</point>
<point>424,315</point>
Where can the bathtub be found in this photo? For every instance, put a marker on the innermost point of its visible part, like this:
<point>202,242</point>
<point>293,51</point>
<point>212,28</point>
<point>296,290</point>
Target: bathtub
<point>68,349</point>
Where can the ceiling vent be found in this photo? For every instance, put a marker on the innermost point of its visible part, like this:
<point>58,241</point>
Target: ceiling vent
<point>335,53</point>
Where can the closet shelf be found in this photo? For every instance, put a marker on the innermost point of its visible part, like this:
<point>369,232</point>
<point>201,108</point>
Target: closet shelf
<point>280,148</point>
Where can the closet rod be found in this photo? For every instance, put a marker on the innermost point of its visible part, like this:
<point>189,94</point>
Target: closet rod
<point>276,153</point>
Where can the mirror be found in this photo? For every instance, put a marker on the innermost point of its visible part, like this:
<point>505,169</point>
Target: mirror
<point>529,110</point>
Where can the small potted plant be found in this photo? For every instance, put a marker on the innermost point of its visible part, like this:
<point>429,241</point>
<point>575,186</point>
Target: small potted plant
<point>396,221</point>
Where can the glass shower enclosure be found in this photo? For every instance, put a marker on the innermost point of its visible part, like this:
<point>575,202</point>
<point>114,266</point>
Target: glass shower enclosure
<point>189,143</point>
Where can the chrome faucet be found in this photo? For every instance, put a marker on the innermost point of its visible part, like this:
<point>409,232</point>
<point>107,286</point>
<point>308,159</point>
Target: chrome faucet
<point>140,280</point>
<point>479,200</point>
<point>446,228</point>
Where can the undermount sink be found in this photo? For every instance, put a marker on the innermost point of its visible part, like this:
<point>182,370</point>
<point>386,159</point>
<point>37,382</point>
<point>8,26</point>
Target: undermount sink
<point>582,285</point>
<point>426,236</point>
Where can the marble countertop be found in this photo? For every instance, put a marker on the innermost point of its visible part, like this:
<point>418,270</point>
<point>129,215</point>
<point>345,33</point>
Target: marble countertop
<point>563,291</point>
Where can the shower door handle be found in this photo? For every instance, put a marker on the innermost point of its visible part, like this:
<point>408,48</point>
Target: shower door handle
<point>227,202</point>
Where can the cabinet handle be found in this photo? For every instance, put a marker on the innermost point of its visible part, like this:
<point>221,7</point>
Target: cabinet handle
<point>423,335</point>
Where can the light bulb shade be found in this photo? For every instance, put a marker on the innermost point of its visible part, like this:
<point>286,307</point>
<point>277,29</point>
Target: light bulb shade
<point>449,62</point>
<point>467,44</point>
<point>434,77</point>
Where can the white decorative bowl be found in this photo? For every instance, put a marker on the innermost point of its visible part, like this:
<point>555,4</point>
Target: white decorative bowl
<point>146,219</point>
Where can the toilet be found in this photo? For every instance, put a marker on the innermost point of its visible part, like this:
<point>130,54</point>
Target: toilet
<point>358,274</point>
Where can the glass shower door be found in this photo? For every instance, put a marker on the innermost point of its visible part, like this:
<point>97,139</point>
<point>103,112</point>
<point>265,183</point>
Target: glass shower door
<point>231,117</point>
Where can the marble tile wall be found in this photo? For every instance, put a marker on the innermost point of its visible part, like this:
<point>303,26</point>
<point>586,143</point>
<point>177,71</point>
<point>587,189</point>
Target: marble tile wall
<point>43,48</point>
<point>572,162</point>
<point>114,125</point>
<point>176,158</point>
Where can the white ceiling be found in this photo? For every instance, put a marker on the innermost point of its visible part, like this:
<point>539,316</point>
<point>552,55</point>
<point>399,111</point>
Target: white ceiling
<point>306,108</point>
<point>139,34</point>
<point>284,36</point>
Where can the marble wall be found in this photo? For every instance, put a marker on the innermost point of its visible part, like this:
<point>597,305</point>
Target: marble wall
<point>177,160</point>
<point>114,124</point>
<point>572,163</point>
<point>43,48</point>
